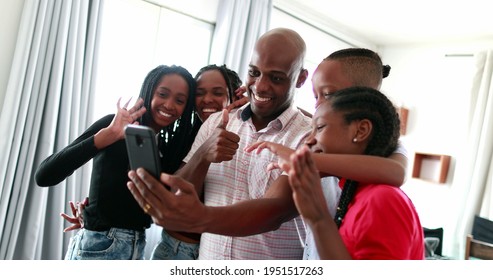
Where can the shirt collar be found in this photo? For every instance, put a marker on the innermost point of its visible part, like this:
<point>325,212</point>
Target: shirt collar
<point>245,113</point>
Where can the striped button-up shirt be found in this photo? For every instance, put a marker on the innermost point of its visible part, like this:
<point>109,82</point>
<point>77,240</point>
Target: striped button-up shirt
<point>246,177</point>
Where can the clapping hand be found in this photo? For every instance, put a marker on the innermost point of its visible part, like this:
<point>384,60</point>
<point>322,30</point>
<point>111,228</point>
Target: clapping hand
<point>307,189</point>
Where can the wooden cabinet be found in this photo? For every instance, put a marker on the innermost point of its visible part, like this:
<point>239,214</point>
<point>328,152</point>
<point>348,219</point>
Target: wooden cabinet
<point>403,112</point>
<point>431,167</point>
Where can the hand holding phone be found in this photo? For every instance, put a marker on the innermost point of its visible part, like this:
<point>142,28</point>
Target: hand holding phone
<point>142,149</point>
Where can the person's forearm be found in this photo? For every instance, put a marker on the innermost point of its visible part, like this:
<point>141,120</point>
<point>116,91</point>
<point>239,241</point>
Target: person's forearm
<point>247,217</point>
<point>328,241</point>
<point>362,168</point>
<point>195,170</point>
<point>104,138</point>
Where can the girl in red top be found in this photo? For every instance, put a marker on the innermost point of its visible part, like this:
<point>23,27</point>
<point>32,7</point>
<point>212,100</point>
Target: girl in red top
<point>372,221</point>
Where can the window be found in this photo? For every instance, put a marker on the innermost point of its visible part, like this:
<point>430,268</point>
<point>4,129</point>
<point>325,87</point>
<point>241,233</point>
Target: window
<point>137,36</point>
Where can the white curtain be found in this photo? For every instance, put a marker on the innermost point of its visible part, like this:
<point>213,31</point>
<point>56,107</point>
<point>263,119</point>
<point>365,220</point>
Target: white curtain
<point>239,24</point>
<point>472,186</point>
<point>47,105</point>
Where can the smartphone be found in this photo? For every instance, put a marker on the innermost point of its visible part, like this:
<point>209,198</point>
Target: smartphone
<point>142,149</point>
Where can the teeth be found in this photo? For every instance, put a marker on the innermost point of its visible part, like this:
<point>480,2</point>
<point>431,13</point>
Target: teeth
<point>164,114</point>
<point>261,99</point>
<point>209,110</point>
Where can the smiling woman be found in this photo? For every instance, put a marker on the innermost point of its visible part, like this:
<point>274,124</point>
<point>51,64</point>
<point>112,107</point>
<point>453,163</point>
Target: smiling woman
<point>165,104</point>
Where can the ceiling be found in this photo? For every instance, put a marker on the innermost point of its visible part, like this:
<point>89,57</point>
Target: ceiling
<point>387,22</point>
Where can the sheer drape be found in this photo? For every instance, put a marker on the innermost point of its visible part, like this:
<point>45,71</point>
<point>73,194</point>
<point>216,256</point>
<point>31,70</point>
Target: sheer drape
<point>474,174</point>
<point>47,105</point>
<point>239,24</point>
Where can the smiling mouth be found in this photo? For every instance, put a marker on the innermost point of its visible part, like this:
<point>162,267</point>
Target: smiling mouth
<point>164,114</point>
<point>209,110</point>
<point>261,99</point>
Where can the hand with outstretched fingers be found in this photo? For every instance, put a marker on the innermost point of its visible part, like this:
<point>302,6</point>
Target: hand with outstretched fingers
<point>77,220</point>
<point>126,116</point>
<point>282,152</point>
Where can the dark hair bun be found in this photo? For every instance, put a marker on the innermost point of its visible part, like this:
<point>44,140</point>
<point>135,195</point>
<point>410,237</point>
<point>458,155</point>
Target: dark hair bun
<point>385,71</point>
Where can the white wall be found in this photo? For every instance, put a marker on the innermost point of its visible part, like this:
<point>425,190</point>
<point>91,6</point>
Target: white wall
<point>436,89</point>
<point>10,13</point>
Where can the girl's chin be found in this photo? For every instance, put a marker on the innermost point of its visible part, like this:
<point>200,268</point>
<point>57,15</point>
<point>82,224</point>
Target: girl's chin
<point>165,123</point>
<point>204,115</point>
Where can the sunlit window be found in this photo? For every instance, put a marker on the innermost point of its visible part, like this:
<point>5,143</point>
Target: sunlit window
<point>137,36</point>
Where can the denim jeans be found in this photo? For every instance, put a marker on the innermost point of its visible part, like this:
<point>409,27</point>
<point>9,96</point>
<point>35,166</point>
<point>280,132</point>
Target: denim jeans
<point>170,248</point>
<point>114,244</point>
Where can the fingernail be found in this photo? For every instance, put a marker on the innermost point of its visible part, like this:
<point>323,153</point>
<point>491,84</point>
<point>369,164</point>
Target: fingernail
<point>140,172</point>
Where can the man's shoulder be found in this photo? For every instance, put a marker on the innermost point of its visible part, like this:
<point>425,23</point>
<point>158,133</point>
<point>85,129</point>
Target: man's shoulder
<point>296,130</point>
<point>304,118</point>
<point>301,121</point>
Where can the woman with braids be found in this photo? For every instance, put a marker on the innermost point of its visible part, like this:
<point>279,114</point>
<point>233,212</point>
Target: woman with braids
<point>218,87</point>
<point>114,224</point>
<point>373,220</point>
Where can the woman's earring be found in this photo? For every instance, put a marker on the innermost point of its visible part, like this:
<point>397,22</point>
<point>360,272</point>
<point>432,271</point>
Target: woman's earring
<point>355,140</point>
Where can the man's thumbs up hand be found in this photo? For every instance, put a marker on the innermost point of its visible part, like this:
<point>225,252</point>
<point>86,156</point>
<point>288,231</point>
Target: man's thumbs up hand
<point>222,144</point>
<point>224,119</point>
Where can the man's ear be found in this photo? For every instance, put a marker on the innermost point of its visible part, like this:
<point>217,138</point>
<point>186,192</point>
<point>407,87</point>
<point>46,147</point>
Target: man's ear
<point>302,77</point>
<point>364,128</point>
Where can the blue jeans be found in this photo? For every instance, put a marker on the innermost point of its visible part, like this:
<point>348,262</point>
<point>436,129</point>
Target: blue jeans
<point>170,248</point>
<point>114,244</point>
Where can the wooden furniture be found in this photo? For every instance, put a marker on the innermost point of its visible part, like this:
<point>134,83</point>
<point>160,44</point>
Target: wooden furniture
<point>478,249</point>
<point>403,112</point>
<point>431,167</point>
<point>479,244</point>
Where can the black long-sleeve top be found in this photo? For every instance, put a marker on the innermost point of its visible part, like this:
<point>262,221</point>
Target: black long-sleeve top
<point>110,202</point>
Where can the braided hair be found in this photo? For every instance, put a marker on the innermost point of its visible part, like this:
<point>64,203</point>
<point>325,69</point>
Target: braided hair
<point>363,66</point>
<point>175,140</point>
<point>358,103</point>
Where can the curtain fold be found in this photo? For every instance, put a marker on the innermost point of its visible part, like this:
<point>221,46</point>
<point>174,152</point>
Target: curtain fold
<point>472,186</point>
<point>239,24</point>
<point>47,106</point>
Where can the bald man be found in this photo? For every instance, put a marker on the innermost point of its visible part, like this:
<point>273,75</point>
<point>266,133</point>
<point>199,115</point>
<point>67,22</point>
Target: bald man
<point>248,213</point>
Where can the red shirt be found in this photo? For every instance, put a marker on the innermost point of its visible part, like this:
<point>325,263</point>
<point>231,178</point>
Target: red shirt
<point>382,223</point>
